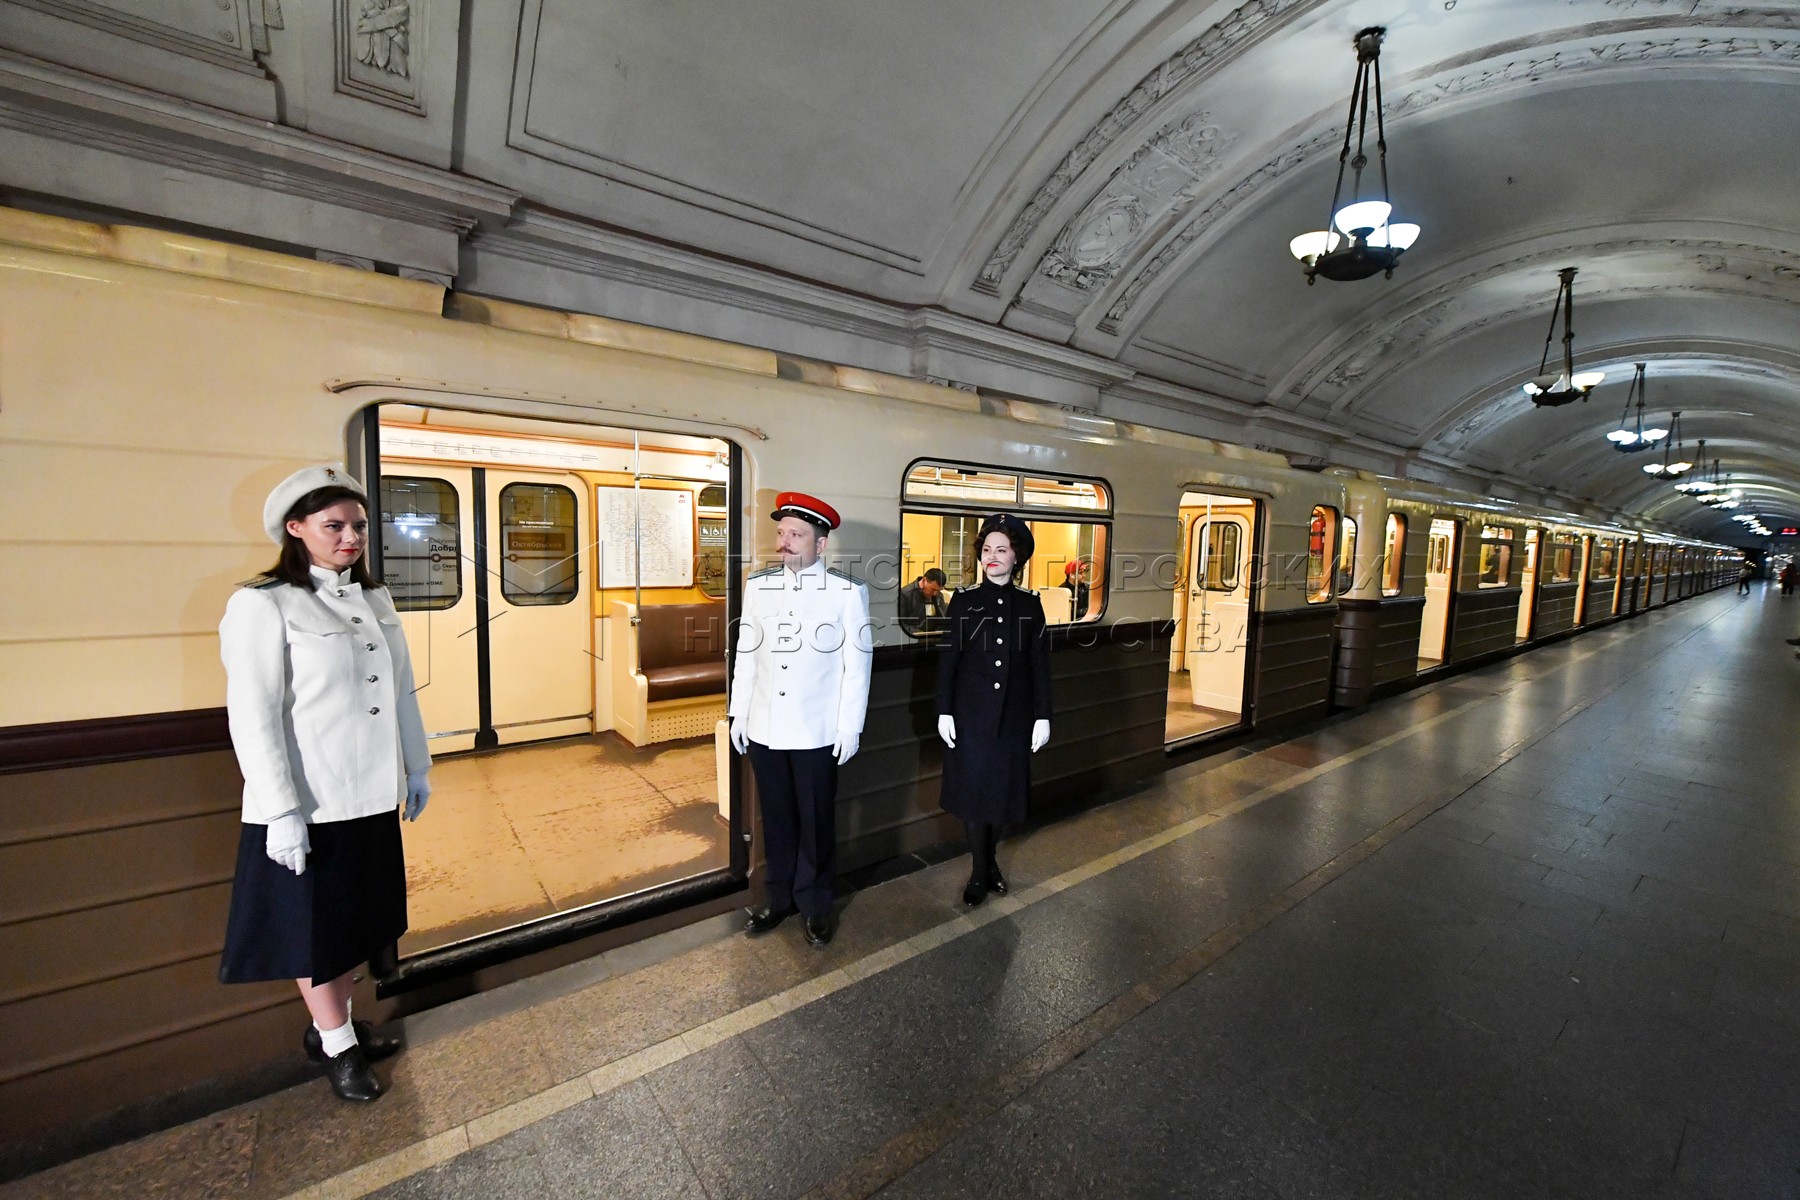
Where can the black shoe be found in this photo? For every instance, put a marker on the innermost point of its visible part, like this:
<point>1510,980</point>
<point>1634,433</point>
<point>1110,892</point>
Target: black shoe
<point>974,892</point>
<point>1793,641</point>
<point>350,1077</point>
<point>818,931</point>
<point>996,881</point>
<point>763,919</point>
<point>375,1046</point>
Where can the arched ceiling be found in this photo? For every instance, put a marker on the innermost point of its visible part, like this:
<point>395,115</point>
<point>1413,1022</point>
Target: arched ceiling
<point>1123,178</point>
<point>1105,188</point>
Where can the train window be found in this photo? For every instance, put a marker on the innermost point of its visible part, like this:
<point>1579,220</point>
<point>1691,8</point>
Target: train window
<point>1321,536</point>
<point>421,543</point>
<point>1224,547</point>
<point>937,483</point>
<point>539,563</point>
<point>1562,560</point>
<point>1393,565</point>
<point>711,499</point>
<point>1064,493</point>
<point>945,504</point>
<point>1346,578</point>
<point>1606,559</point>
<point>1495,566</point>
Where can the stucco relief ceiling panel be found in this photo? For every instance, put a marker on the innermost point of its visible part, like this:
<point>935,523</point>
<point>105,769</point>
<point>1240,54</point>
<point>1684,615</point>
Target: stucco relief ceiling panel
<point>851,125</point>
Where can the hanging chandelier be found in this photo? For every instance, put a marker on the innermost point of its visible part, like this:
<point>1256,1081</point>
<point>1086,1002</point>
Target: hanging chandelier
<point>1359,239</point>
<point>1721,494</point>
<point>1630,441</point>
<point>1702,483</point>
<point>1550,388</point>
<point>1674,462</point>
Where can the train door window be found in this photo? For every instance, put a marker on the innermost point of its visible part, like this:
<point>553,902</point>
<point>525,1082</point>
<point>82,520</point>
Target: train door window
<point>1493,570</point>
<point>943,505</point>
<point>712,529</point>
<point>1223,549</point>
<point>1393,562</point>
<point>421,561</point>
<point>1562,559</point>
<point>1321,538</point>
<point>1346,577</point>
<point>539,563</point>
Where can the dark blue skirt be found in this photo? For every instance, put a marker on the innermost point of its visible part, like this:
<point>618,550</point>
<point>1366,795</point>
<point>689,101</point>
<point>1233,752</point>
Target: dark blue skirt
<point>347,907</point>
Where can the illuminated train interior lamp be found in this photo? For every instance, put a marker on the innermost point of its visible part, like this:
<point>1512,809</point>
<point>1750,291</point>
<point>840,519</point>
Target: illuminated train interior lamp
<point>1675,462</point>
<point>1636,437</point>
<point>1360,239</point>
<point>1551,389</point>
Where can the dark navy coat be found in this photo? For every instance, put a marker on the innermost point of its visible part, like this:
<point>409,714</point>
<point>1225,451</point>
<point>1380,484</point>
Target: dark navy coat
<point>994,678</point>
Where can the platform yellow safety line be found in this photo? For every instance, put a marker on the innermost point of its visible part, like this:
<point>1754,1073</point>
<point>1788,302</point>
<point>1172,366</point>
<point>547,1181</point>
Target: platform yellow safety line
<point>382,1172</point>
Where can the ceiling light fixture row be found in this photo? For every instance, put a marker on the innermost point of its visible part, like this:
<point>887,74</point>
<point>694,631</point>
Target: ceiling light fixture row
<point>1359,239</point>
<point>1551,389</point>
<point>1636,438</point>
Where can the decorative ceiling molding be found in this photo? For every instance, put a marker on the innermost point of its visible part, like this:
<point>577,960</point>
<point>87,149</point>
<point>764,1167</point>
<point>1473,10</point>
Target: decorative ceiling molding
<point>1155,185</point>
<point>1498,77</point>
<point>1219,45</point>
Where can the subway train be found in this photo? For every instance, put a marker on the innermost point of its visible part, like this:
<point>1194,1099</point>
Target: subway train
<point>565,508</point>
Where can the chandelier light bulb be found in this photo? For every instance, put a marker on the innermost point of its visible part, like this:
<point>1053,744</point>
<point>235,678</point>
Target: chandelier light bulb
<point>1366,215</point>
<point>1624,437</point>
<point>1654,435</point>
<point>1586,379</point>
<point>1308,247</point>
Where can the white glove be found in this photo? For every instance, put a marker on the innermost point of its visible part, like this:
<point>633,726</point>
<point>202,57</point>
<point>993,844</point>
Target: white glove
<point>845,746</point>
<point>287,842</point>
<point>1040,733</point>
<point>740,735</point>
<point>947,730</point>
<point>418,790</point>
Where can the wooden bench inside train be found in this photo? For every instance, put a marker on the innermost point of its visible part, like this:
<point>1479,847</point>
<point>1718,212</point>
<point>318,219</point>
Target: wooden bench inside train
<point>669,670</point>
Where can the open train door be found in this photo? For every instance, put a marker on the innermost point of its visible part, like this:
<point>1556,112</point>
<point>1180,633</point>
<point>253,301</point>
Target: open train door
<point>1440,582</point>
<point>1214,608</point>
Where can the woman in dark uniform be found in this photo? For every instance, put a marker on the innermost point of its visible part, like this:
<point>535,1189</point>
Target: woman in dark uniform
<point>993,698</point>
<point>319,695</point>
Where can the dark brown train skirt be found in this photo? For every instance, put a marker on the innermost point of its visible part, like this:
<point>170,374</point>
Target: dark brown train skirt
<point>346,908</point>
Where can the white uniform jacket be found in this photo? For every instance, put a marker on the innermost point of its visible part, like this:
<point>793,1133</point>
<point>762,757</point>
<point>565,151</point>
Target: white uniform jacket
<point>319,695</point>
<point>804,650</point>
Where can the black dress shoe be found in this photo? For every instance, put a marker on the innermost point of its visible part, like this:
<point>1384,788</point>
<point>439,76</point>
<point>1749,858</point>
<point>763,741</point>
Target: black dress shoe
<point>763,919</point>
<point>996,881</point>
<point>1793,641</point>
<point>818,931</point>
<point>350,1077</point>
<point>375,1046</point>
<point>974,892</point>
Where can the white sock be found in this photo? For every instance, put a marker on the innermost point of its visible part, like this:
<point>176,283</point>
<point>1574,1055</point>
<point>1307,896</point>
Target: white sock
<point>338,1040</point>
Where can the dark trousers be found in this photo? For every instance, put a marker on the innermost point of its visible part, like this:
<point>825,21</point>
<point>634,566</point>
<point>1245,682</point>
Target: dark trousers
<point>983,837</point>
<point>797,793</point>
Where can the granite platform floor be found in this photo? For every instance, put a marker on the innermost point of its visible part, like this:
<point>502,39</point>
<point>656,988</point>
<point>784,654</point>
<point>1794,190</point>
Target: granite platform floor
<point>1528,931</point>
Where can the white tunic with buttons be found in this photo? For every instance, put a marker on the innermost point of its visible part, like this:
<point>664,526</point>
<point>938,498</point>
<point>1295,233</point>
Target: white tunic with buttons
<point>319,695</point>
<point>804,651</point>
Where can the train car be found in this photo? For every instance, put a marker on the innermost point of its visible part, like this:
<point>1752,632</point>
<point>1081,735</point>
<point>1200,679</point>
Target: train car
<point>566,508</point>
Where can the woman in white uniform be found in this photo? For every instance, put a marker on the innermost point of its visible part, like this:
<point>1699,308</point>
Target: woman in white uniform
<point>328,737</point>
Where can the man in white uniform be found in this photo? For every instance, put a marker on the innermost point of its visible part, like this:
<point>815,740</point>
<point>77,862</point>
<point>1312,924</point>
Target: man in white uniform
<point>799,690</point>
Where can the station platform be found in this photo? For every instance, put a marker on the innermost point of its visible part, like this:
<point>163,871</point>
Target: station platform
<point>1532,930</point>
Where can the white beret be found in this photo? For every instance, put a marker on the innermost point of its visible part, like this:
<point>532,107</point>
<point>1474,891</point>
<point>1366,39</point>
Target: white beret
<point>287,493</point>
